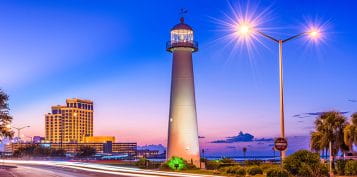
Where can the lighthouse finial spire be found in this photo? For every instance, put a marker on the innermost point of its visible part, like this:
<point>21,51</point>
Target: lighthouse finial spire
<point>183,11</point>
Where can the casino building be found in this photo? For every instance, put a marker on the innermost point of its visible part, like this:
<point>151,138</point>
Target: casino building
<point>70,123</point>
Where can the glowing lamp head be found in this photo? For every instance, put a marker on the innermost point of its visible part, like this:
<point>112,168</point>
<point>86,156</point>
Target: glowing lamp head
<point>244,29</point>
<point>314,33</point>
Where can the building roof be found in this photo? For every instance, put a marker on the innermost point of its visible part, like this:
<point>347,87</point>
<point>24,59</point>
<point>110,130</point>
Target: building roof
<point>182,25</point>
<point>78,100</point>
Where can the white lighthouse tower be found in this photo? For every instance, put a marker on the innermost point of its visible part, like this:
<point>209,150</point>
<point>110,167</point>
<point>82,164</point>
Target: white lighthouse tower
<point>183,131</point>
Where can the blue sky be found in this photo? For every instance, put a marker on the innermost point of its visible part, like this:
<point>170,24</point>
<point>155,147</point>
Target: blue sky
<point>113,52</point>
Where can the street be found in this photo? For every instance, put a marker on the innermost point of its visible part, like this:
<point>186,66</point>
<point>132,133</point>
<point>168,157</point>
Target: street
<point>78,169</point>
<point>49,171</point>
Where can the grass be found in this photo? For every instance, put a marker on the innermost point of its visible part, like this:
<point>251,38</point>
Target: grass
<point>213,172</point>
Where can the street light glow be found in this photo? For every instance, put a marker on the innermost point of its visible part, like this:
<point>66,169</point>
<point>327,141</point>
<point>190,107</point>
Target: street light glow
<point>314,33</point>
<point>244,29</point>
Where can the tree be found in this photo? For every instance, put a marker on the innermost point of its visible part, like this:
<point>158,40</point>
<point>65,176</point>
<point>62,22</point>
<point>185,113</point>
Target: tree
<point>350,132</point>
<point>5,118</point>
<point>86,151</point>
<point>329,127</point>
<point>315,142</point>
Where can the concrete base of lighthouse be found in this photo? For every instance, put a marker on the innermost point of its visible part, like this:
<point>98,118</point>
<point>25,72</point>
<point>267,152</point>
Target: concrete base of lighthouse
<point>183,131</point>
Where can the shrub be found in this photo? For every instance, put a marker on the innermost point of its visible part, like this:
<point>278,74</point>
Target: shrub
<point>241,172</point>
<point>277,172</point>
<point>142,163</point>
<point>175,163</point>
<point>252,162</point>
<point>227,160</point>
<point>190,166</point>
<point>351,167</point>
<point>254,170</point>
<point>212,164</point>
<point>38,151</point>
<point>305,171</point>
<point>165,166</point>
<point>237,170</point>
<point>320,170</point>
<point>340,166</point>
<point>230,169</point>
<point>218,164</point>
<point>86,151</point>
<point>305,163</point>
<point>267,166</point>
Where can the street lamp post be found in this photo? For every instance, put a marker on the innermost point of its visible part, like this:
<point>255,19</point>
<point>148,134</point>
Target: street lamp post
<point>281,82</point>
<point>19,130</point>
<point>245,30</point>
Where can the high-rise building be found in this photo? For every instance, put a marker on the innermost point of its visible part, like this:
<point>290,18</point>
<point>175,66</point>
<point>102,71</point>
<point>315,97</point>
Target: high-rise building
<point>183,131</point>
<point>70,123</point>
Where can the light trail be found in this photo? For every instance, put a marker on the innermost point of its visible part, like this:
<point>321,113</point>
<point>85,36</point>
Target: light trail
<point>106,168</point>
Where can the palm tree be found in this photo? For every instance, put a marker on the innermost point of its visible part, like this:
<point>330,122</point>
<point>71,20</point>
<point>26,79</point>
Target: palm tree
<point>5,118</point>
<point>329,127</point>
<point>350,132</point>
<point>315,143</point>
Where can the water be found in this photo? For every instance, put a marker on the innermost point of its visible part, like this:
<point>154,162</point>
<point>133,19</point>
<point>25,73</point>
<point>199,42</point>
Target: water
<point>236,158</point>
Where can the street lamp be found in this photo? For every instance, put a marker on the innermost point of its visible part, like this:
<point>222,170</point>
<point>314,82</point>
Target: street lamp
<point>245,30</point>
<point>19,130</point>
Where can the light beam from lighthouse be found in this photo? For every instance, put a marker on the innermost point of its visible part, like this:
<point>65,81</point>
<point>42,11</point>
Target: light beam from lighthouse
<point>183,130</point>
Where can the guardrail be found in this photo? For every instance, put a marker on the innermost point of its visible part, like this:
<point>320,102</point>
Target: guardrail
<point>189,44</point>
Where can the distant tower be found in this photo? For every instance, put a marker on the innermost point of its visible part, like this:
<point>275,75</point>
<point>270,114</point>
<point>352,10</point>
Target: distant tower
<point>183,131</point>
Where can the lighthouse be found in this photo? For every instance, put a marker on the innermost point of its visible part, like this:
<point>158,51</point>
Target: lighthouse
<point>182,130</point>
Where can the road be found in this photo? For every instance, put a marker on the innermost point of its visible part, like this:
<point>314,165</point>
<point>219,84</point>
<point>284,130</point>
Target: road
<point>78,169</point>
<point>50,171</point>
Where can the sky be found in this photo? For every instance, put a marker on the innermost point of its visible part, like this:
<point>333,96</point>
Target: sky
<point>113,52</point>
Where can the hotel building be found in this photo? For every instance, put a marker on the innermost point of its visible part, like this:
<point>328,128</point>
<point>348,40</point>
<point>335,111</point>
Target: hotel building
<point>70,123</point>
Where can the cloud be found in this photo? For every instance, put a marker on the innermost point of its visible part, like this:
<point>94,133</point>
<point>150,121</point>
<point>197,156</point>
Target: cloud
<point>242,137</point>
<point>264,139</point>
<point>314,113</point>
<point>300,116</point>
<point>199,137</point>
<point>309,114</point>
<point>352,100</point>
<point>219,141</point>
<point>230,147</point>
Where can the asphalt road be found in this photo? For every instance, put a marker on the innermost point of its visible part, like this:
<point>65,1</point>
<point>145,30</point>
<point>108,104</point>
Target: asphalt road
<point>33,168</point>
<point>50,171</point>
